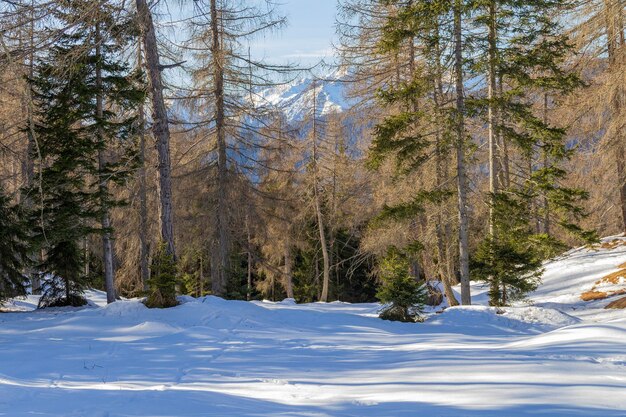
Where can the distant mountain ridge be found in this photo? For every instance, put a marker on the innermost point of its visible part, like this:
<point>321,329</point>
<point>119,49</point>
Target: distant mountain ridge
<point>296,98</point>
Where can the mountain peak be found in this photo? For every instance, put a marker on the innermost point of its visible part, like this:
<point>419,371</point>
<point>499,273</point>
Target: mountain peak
<point>297,98</point>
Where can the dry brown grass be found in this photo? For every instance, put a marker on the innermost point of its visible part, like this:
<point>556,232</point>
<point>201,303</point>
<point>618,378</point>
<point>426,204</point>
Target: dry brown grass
<point>592,295</point>
<point>617,304</point>
<point>612,278</point>
<point>622,266</point>
<point>612,244</point>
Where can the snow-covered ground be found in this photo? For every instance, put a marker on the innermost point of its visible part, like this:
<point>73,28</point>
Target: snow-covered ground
<point>553,355</point>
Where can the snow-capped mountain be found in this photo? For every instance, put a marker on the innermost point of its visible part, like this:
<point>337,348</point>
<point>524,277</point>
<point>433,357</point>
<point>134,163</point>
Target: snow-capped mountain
<point>298,97</point>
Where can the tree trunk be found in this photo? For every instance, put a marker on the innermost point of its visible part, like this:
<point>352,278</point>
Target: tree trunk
<point>615,45</point>
<point>505,180</point>
<point>318,207</point>
<point>288,269</point>
<point>441,174</point>
<point>546,204</point>
<point>466,297</point>
<point>249,276</point>
<point>320,223</point>
<point>105,220</point>
<point>160,126</point>
<point>29,164</point>
<point>492,116</point>
<point>222,269</point>
<point>144,250</point>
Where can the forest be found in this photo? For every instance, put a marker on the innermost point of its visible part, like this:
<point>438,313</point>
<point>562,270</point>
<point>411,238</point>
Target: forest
<point>141,152</point>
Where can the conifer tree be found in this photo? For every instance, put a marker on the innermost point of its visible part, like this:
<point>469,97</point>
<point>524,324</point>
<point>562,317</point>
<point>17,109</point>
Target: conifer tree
<point>415,133</point>
<point>523,50</point>
<point>507,259</point>
<point>82,95</point>
<point>13,250</point>
<point>405,297</point>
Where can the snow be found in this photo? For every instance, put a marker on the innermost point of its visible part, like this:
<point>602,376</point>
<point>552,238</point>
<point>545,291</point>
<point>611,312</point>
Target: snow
<point>552,355</point>
<point>296,98</point>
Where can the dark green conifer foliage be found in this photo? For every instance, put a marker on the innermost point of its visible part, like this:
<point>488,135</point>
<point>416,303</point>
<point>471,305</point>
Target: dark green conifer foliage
<point>404,296</point>
<point>527,55</point>
<point>13,250</point>
<point>508,261</point>
<point>71,137</point>
<point>163,279</point>
<point>415,131</point>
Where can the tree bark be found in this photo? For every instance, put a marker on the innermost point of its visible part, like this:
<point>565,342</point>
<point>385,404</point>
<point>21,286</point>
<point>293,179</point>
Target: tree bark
<point>222,269</point>
<point>505,180</point>
<point>144,250</point>
<point>466,297</point>
<point>492,116</point>
<point>288,269</point>
<point>318,207</point>
<point>160,126</point>
<point>615,45</point>
<point>441,174</point>
<point>29,163</point>
<point>105,220</point>
<point>546,204</point>
<point>249,276</point>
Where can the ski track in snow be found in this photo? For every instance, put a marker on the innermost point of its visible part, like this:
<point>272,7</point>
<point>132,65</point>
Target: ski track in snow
<point>551,356</point>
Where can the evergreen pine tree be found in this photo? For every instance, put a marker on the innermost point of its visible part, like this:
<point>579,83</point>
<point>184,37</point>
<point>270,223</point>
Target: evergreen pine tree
<point>521,49</point>
<point>13,250</point>
<point>82,94</point>
<point>414,133</point>
<point>404,296</point>
<point>507,259</point>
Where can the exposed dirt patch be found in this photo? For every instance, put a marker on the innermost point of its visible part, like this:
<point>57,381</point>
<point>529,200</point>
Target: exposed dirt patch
<point>620,303</point>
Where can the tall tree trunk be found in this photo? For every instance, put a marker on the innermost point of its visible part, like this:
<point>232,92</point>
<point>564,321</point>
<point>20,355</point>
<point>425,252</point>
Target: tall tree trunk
<point>160,126</point>
<point>546,205</point>
<point>144,250</point>
<point>505,180</point>
<point>31,147</point>
<point>492,115</point>
<point>222,269</point>
<point>466,297</point>
<point>105,220</point>
<point>534,206</point>
<point>318,207</point>
<point>325,256</point>
<point>443,264</point>
<point>615,46</point>
<point>249,263</point>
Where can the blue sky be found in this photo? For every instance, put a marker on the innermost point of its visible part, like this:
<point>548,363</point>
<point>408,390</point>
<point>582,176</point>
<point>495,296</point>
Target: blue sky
<point>308,36</point>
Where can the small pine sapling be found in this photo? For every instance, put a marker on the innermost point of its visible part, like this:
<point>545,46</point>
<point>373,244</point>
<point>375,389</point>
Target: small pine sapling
<point>403,296</point>
<point>510,261</point>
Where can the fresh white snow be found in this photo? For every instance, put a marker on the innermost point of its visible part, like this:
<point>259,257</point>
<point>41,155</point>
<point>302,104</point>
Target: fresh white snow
<point>552,355</point>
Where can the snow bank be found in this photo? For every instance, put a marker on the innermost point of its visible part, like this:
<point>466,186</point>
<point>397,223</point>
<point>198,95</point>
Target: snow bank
<point>560,357</point>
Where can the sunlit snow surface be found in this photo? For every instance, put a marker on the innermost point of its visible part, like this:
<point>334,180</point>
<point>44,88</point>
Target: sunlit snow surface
<point>209,357</point>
